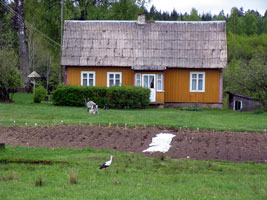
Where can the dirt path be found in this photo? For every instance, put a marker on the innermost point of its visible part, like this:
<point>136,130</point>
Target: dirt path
<point>202,145</point>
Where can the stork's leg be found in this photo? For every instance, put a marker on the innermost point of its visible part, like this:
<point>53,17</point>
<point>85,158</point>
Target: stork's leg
<point>106,170</point>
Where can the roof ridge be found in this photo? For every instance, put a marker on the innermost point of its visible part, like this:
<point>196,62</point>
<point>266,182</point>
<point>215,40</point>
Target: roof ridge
<point>133,21</point>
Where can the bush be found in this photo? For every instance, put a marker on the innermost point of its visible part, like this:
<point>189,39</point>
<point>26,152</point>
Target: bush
<point>10,80</point>
<point>115,97</point>
<point>39,94</point>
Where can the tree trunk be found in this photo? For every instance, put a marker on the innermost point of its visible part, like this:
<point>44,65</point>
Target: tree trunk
<point>23,45</point>
<point>4,95</point>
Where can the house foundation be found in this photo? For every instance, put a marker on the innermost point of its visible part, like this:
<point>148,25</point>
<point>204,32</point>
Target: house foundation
<point>199,105</point>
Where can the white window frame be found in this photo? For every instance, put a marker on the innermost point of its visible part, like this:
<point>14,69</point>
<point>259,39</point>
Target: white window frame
<point>197,80</point>
<point>87,72</point>
<point>241,104</point>
<point>114,73</point>
<point>162,83</point>
<point>140,79</point>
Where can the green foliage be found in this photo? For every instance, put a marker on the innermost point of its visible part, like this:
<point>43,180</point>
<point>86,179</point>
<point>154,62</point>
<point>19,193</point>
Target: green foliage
<point>125,10</point>
<point>193,16</point>
<point>114,97</point>
<point>39,94</point>
<point>243,47</point>
<point>128,97</point>
<point>9,76</point>
<point>69,96</point>
<point>10,80</point>
<point>234,24</point>
<point>249,77</point>
<point>250,23</point>
<point>8,34</point>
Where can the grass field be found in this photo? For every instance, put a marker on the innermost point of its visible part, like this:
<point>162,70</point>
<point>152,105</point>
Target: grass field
<point>37,173</point>
<point>25,111</point>
<point>42,173</point>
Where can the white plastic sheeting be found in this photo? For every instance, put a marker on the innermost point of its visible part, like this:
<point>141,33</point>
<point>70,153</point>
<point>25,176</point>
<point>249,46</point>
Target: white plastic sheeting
<point>160,143</point>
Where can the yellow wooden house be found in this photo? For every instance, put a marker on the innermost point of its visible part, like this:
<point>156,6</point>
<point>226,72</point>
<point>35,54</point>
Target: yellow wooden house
<point>180,62</point>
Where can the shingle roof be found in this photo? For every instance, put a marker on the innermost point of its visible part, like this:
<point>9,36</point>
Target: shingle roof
<point>159,44</point>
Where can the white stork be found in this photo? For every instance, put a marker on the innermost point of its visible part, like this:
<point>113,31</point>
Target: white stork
<point>106,164</point>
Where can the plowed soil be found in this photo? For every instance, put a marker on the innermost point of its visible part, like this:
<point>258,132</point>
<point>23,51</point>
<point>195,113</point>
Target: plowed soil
<point>199,145</point>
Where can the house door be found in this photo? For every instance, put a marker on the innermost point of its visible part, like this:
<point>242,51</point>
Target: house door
<point>149,82</point>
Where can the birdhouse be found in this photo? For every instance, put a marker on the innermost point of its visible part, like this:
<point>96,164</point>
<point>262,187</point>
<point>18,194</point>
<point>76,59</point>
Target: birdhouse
<point>34,75</point>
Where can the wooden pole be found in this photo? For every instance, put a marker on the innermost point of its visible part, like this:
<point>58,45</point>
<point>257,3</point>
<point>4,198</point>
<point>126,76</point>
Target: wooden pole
<point>62,19</point>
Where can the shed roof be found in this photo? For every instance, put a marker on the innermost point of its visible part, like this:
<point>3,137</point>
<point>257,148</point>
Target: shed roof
<point>242,96</point>
<point>159,44</point>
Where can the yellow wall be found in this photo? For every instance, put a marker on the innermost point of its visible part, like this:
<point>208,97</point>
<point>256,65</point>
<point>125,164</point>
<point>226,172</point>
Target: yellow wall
<point>160,96</point>
<point>177,83</point>
<point>74,75</point>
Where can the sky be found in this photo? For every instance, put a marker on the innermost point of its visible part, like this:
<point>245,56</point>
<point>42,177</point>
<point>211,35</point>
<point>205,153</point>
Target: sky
<point>208,6</point>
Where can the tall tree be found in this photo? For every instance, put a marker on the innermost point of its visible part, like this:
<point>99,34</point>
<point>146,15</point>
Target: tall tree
<point>125,10</point>
<point>234,23</point>
<point>174,15</point>
<point>193,16</point>
<point>250,23</point>
<point>9,77</point>
<point>221,15</point>
<point>23,45</point>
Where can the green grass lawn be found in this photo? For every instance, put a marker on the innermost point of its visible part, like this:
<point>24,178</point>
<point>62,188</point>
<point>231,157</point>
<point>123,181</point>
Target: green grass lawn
<point>131,176</point>
<point>25,111</point>
<point>42,173</point>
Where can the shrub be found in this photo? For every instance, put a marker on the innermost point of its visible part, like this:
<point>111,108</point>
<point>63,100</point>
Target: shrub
<point>10,80</point>
<point>115,97</point>
<point>39,94</point>
<point>69,96</point>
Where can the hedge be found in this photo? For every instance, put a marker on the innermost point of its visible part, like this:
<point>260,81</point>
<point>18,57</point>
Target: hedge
<point>115,97</point>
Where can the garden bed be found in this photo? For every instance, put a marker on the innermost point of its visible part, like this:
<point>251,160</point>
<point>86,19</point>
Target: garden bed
<point>199,145</point>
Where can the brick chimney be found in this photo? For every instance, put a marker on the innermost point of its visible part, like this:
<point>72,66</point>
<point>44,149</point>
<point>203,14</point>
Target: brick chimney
<point>141,19</point>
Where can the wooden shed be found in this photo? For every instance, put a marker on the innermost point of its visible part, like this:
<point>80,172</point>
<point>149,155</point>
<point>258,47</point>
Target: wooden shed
<point>180,62</point>
<point>240,102</point>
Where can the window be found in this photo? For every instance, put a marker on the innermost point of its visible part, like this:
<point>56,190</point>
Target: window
<point>160,82</point>
<point>88,78</point>
<point>197,81</point>
<point>114,79</point>
<point>137,79</point>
